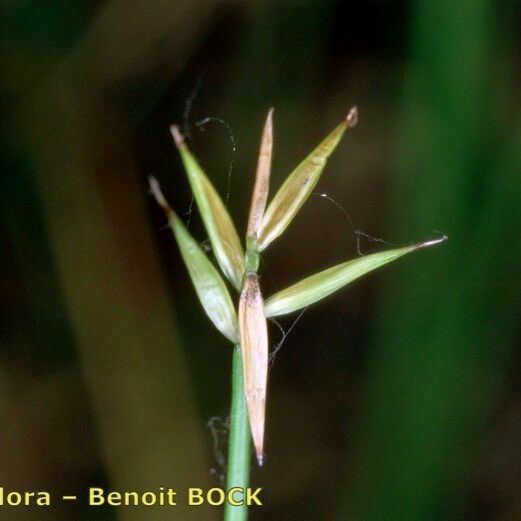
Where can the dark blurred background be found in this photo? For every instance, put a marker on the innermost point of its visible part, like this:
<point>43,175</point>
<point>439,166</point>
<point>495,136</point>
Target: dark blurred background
<point>396,399</point>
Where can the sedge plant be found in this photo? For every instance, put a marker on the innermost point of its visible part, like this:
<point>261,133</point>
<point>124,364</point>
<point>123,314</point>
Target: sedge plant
<point>245,325</point>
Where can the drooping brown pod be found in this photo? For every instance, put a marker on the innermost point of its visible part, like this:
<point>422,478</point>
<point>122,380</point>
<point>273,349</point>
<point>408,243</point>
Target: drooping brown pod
<point>254,345</point>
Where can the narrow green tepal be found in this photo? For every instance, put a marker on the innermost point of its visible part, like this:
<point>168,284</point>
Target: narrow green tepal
<point>221,231</point>
<point>322,284</point>
<point>299,185</point>
<point>208,284</point>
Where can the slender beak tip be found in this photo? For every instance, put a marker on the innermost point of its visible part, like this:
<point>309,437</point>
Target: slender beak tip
<point>155,191</point>
<point>152,182</point>
<point>268,126</point>
<point>433,242</point>
<point>352,117</point>
<point>176,134</point>
<point>260,460</point>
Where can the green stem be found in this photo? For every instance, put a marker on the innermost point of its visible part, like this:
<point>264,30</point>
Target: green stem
<point>239,453</point>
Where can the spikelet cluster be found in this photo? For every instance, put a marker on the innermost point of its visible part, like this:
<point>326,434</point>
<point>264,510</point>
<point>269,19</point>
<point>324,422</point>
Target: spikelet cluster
<point>247,326</point>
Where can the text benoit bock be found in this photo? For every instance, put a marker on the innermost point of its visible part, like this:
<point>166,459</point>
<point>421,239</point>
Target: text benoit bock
<point>163,496</point>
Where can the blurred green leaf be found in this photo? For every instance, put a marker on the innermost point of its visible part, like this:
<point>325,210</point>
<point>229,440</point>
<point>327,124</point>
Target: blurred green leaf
<point>437,344</point>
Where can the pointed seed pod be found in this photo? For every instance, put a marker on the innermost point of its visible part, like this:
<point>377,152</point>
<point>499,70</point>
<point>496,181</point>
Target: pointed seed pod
<point>299,185</point>
<point>254,349</point>
<point>221,231</point>
<point>262,178</point>
<point>209,286</point>
<point>318,286</point>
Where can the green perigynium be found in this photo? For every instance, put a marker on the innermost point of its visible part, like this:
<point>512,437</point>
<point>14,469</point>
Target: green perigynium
<point>299,185</point>
<point>221,231</point>
<point>322,284</point>
<point>248,327</point>
<point>209,286</point>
